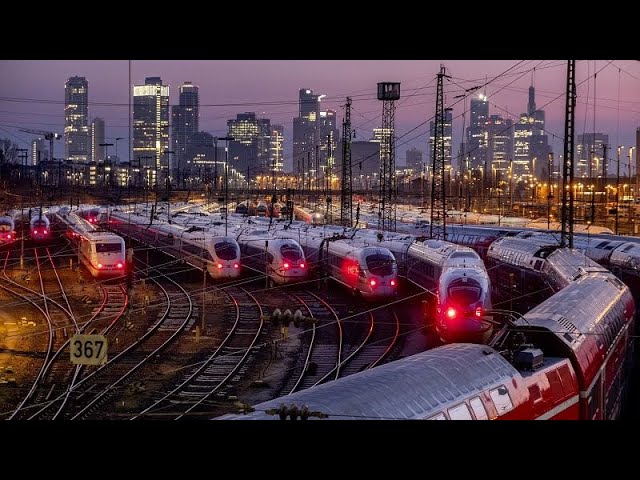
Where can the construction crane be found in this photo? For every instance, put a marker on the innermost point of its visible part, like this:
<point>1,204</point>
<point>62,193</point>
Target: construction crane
<point>47,136</point>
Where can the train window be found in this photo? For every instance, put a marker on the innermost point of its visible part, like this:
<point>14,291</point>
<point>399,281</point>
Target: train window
<point>593,404</point>
<point>555,384</point>
<point>379,264</point>
<point>438,416</point>
<point>464,255</point>
<point>226,250</point>
<point>291,253</point>
<point>501,399</point>
<point>460,412</point>
<point>108,248</point>
<point>464,295</point>
<point>478,409</point>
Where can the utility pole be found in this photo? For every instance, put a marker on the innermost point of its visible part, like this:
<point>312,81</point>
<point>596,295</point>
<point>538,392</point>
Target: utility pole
<point>23,156</point>
<point>549,191</point>
<point>215,164</point>
<point>346,190</point>
<point>106,156</point>
<point>438,227</point>
<point>328,173</point>
<point>388,93</point>
<point>566,236</point>
<point>620,147</point>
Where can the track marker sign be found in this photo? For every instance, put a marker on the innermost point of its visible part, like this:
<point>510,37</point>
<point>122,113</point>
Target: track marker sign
<point>88,349</point>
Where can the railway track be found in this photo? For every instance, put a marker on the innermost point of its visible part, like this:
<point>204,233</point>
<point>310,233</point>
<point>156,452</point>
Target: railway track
<point>218,374</point>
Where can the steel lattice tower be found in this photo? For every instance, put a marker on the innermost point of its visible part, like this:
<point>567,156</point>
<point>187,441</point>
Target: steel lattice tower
<point>566,236</point>
<point>438,228</point>
<point>388,92</point>
<point>346,197</point>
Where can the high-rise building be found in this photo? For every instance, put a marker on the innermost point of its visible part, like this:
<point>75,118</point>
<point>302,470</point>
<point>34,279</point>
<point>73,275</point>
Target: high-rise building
<point>96,132</point>
<point>531,144</point>
<point>306,130</point>
<point>448,135</point>
<point>637,157</point>
<point>276,153</point>
<point>250,149</point>
<point>184,124</point>
<point>477,140</point>
<point>414,159</point>
<point>589,153</point>
<point>39,151</point>
<point>500,146</point>
<point>151,124</point>
<point>76,119</point>
<point>327,126</point>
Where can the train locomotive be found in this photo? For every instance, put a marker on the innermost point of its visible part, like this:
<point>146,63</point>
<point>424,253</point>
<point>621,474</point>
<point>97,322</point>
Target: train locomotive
<point>39,225</point>
<point>103,253</point>
<point>7,228</point>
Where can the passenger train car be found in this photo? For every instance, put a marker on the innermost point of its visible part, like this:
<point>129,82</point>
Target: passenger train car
<point>39,225</point>
<point>103,253</point>
<point>281,259</point>
<point>568,358</point>
<point>7,228</point>
<point>195,244</point>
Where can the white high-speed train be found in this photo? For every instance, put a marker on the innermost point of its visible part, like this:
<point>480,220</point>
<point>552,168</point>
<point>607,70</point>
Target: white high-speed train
<point>7,227</point>
<point>103,253</point>
<point>196,245</point>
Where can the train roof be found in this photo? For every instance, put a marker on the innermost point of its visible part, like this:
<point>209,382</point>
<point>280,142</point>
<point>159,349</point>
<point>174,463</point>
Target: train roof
<point>414,387</point>
<point>584,329</point>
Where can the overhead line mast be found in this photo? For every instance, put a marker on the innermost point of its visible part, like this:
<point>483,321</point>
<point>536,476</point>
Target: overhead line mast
<point>438,227</point>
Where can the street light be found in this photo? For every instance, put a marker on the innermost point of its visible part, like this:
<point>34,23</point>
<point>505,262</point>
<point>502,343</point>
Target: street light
<point>226,180</point>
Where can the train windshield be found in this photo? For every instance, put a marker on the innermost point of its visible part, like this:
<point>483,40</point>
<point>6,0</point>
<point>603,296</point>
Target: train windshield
<point>291,253</point>
<point>464,295</point>
<point>5,227</point>
<point>226,251</point>
<point>108,248</point>
<point>465,255</point>
<point>379,264</point>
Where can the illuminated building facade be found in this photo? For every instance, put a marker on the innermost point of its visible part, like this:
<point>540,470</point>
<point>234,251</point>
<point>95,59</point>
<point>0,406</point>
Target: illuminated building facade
<point>306,131</point>
<point>589,154</point>
<point>38,151</point>
<point>250,150</point>
<point>96,131</point>
<point>151,123</point>
<point>76,119</point>
<point>477,140</point>
<point>448,135</point>
<point>414,159</point>
<point>500,147</point>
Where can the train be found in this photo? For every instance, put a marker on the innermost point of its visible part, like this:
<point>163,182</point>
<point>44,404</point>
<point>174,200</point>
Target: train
<point>568,358</point>
<point>194,244</point>
<point>102,252</point>
<point>7,227</point>
<point>280,259</point>
<point>39,225</point>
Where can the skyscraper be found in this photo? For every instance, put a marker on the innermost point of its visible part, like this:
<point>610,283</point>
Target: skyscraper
<point>531,144</point>
<point>96,131</point>
<point>414,159</point>
<point>39,151</point>
<point>76,118</point>
<point>589,153</point>
<point>500,144</point>
<point>448,134</point>
<point>477,141</point>
<point>184,124</point>
<point>306,132</point>
<point>250,149</point>
<point>151,123</point>
<point>277,148</point>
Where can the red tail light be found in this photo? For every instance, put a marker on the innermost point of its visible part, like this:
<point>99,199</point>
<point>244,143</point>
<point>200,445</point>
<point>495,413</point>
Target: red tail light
<point>219,265</point>
<point>9,236</point>
<point>235,265</point>
<point>451,312</point>
<point>35,232</point>
<point>286,265</point>
<point>45,232</point>
<point>479,312</point>
<point>302,265</point>
<point>119,265</point>
<point>99,266</point>
<point>393,283</point>
<point>372,282</point>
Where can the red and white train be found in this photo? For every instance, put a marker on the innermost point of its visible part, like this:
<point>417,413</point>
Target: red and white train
<point>7,228</point>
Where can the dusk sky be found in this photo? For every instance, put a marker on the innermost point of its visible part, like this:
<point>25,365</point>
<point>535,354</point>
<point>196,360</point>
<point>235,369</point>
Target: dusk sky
<point>32,94</point>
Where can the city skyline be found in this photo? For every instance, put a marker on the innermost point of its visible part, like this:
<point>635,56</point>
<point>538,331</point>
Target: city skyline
<point>270,88</point>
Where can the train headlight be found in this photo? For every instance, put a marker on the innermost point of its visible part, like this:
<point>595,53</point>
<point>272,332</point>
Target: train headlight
<point>393,283</point>
<point>372,282</point>
<point>45,232</point>
<point>479,312</point>
<point>119,265</point>
<point>219,265</point>
<point>99,265</point>
<point>451,313</point>
<point>235,265</point>
<point>286,265</point>
<point>35,232</point>
<point>302,265</point>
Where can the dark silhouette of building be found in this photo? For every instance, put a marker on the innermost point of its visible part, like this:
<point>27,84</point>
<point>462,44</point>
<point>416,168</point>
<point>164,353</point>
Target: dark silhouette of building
<point>184,124</point>
<point>414,159</point>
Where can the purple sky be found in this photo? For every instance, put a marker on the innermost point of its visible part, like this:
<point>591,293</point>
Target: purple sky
<point>277,82</point>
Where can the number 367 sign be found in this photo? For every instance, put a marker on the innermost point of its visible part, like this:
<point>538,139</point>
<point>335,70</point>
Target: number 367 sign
<point>89,349</point>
